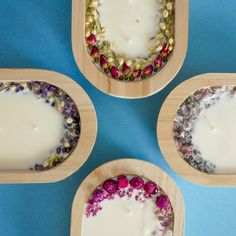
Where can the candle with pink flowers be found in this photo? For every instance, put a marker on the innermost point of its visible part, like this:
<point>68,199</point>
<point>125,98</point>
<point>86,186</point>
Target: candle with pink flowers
<point>128,205</point>
<point>130,39</point>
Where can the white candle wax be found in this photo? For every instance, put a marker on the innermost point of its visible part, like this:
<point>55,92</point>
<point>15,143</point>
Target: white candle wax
<point>29,130</point>
<point>123,217</point>
<point>130,24</point>
<point>214,134</point>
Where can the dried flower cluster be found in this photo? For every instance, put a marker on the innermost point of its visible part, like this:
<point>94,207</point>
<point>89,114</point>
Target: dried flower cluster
<point>186,117</point>
<point>60,101</point>
<point>138,188</point>
<point>121,67</point>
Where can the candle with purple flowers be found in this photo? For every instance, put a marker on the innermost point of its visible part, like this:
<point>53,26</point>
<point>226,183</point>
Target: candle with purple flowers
<point>39,126</point>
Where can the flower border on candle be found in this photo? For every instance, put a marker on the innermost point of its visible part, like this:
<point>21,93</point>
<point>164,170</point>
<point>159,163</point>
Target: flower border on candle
<point>137,188</point>
<point>63,103</point>
<point>184,123</point>
<point>121,67</point>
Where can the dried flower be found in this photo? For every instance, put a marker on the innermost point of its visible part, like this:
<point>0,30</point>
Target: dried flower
<point>150,187</point>
<point>111,186</point>
<point>137,182</point>
<point>163,202</point>
<point>115,72</point>
<point>122,181</point>
<point>91,39</point>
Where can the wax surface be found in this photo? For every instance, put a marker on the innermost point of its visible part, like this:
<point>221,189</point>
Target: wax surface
<point>123,217</point>
<point>130,24</point>
<point>29,130</point>
<point>215,134</point>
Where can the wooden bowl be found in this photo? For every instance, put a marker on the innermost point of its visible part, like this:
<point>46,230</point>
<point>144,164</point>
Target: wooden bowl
<point>165,129</point>
<point>138,89</point>
<point>88,127</point>
<point>133,167</point>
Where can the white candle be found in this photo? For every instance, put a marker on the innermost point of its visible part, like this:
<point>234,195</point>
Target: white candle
<point>130,24</point>
<point>214,134</point>
<point>30,129</point>
<point>123,217</point>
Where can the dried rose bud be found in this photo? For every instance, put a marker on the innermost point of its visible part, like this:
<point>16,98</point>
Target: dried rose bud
<point>158,62</point>
<point>103,62</point>
<point>148,70</point>
<point>115,72</point>
<point>126,69</point>
<point>137,182</point>
<point>163,202</point>
<point>95,52</point>
<point>137,73</point>
<point>164,51</point>
<point>111,186</point>
<point>91,39</point>
<point>122,181</point>
<point>150,187</point>
<point>98,195</point>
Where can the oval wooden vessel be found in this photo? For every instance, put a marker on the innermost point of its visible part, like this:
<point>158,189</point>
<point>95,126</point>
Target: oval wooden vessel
<point>88,126</point>
<point>138,89</point>
<point>165,129</point>
<point>133,167</point>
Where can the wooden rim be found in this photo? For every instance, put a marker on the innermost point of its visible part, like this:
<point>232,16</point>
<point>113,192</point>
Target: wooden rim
<point>165,129</point>
<point>123,89</point>
<point>88,127</point>
<point>127,166</point>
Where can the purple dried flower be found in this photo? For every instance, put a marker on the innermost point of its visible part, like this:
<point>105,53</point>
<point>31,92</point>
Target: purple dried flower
<point>99,195</point>
<point>150,187</point>
<point>111,186</point>
<point>137,182</point>
<point>163,202</point>
<point>122,181</point>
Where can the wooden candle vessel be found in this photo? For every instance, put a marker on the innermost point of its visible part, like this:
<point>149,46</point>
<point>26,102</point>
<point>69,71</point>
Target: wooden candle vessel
<point>87,119</point>
<point>127,167</point>
<point>141,88</point>
<point>165,129</point>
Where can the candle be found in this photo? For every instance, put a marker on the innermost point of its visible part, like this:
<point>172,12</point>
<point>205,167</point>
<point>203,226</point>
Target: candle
<point>205,129</point>
<point>129,206</point>
<point>130,25</point>
<point>130,39</point>
<point>38,126</point>
<point>214,134</point>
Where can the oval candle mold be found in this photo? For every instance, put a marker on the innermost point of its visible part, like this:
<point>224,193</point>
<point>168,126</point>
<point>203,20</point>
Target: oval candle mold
<point>129,189</point>
<point>112,55</point>
<point>48,126</point>
<point>196,129</point>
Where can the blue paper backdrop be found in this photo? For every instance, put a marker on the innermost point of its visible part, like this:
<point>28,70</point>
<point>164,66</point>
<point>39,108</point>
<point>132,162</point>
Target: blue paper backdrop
<point>37,34</point>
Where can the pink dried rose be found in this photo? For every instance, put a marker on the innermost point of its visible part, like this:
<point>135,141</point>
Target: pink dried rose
<point>148,70</point>
<point>122,181</point>
<point>126,69</point>
<point>158,62</point>
<point>98,196</point>
<point>150,187</point>
<point>163,202</point>
<point>111,186</point>
<point>91,39</point>
<point>103,62</point>
<point>137,182</point>
<point>164,50</point>
<point>94,52</point>
<point>115,72</point>
<point>137,73</point>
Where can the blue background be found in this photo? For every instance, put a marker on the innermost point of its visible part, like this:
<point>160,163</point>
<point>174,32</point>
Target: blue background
<point>37,34</point>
